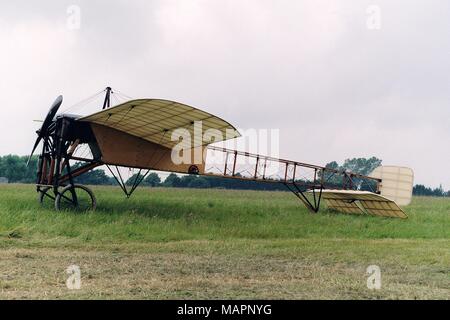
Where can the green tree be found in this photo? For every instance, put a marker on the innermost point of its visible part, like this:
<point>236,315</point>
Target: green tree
<point>132,179</point>
<point>14,168</point>
<point>30,174</point>
<point>363,166</point>
<point>172,181</point>
<point>199,182</point>
<point>332,165</point>
<point>185,181</point>
<point>152,180</point>
<point>331,178</point>
<point>94,177</point>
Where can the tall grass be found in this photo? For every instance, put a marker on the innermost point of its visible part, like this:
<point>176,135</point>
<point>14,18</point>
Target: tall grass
<point>160,215</point>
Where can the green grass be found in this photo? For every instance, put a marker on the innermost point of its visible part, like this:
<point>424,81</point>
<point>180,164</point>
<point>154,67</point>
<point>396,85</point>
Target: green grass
<point>185,243</point>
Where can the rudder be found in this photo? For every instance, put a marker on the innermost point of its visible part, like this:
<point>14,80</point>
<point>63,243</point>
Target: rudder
<point>396,183</point>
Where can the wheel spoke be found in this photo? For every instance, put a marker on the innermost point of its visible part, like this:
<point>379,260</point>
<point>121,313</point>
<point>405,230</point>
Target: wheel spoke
<point>49,196</point>
<point>75,197</point>
<point>68,199</point>
<point>45,197</point>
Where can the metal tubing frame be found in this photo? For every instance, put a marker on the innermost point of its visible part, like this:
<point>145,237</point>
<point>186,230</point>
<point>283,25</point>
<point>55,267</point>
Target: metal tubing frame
<point>122,184</point>
<point>295,163</point>
<point>297,187</point>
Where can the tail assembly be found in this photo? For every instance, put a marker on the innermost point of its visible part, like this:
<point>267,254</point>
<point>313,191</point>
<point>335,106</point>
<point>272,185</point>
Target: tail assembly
<point>396,183</point>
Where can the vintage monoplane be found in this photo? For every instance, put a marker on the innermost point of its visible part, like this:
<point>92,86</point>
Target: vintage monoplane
<point>139,134</point>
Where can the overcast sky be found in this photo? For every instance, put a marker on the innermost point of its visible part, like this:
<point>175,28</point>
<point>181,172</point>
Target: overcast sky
<point>339,79</point>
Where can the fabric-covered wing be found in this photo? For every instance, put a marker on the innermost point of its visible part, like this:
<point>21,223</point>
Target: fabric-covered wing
<point>343,206</point>
<point>362,202</point>
<point>156,120</point>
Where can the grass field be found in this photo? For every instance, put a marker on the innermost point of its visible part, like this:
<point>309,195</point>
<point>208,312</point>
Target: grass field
<point>212,244</point>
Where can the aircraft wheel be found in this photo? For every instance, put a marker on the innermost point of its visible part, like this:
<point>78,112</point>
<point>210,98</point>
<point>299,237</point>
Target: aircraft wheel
<point>76,198</point>
<point>46,197</point>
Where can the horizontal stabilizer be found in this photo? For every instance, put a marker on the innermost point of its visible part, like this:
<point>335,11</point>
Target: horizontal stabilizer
<point>362,202</point>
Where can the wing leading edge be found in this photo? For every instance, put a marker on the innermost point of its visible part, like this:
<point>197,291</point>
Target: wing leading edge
<point>157,120</point>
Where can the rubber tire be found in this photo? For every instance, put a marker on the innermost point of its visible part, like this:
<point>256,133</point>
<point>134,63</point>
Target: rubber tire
<point>42,197</point>
<point>79,186</point>
<point>41,194</point>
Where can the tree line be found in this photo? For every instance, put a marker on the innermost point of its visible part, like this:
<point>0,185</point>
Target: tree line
<point>15,170</point>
